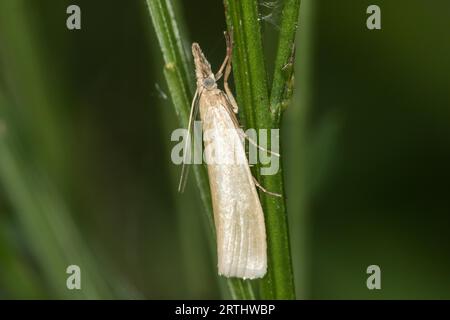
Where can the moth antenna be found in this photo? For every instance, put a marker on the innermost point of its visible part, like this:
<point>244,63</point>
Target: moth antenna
<point>188,145</point>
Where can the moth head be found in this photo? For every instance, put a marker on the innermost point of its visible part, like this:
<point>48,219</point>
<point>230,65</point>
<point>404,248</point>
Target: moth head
<point>209,83</point>
<point>205,77</point>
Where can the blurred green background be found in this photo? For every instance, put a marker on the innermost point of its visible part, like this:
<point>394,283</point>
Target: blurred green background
<point>86,176</point>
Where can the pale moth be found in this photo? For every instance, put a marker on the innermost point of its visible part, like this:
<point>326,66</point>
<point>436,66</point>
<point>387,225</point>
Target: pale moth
<point>238,215</point>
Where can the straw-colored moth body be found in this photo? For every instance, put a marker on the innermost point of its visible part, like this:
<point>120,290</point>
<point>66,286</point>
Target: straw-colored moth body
<point>238,215</point>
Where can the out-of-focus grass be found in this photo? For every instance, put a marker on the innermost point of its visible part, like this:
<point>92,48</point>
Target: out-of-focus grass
<point>24,73</point>
<point>44,220</point>
<point>31,161</point>
<point>295,123</point>
<point>17,278</point>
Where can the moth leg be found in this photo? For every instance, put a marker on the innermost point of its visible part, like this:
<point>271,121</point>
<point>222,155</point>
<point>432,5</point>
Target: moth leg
<point>219,73</point>
<point>241,132</point>
<point>226,64</point>
<point>230,96</point>
<point>250,140</point>
<point>264,190</point>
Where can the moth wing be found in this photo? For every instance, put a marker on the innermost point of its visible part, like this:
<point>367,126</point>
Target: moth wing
<point>238,215</point>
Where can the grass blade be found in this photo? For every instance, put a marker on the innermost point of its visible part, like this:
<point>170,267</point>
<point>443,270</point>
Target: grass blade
<point>253,97</point>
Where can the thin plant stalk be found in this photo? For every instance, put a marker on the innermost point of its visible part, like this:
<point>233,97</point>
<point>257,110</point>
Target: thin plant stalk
<point>261,110</point>
<point>176,69</point>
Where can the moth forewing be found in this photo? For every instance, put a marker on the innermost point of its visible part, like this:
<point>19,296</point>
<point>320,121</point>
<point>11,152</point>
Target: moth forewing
<point>238,215</point>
